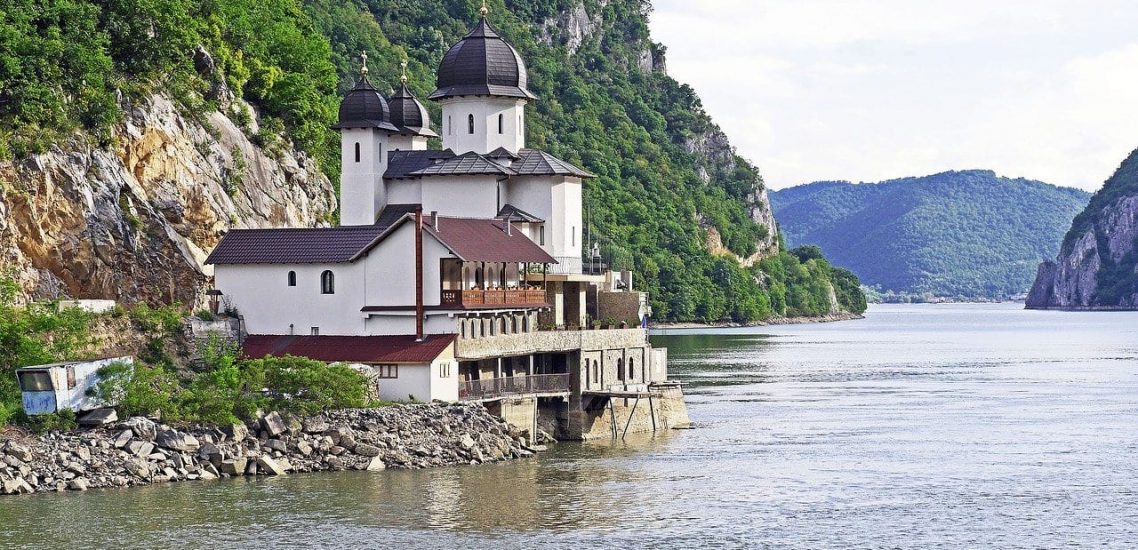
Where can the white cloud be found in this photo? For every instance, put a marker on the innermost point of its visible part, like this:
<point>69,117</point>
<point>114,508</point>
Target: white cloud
<point>870,90</point>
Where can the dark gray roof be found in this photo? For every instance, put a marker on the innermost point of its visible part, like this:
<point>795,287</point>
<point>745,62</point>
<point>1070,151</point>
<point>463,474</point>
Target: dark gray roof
<point>472,239</point>
<point>534,162</point>
<point>315,245</point>
<point>293,246</point>
<point>394,212</point>
<point>409,115</point>
<point>482,64</point>
<point>513,213</point>
<point>401,164</point>
<point>363,107</point>
<point>528,162</point>
<point>466,164</point>
<point>502,153</point>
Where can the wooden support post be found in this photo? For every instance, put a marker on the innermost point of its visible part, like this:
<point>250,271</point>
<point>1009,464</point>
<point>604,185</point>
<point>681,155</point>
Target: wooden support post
<point>630,415</point>
<point>612,417</point>
<point>533,429</point>
<point>652,409</point>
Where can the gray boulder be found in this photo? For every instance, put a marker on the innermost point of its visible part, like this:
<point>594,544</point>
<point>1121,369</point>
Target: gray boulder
<point>143,428</point>
<point>274,424</point>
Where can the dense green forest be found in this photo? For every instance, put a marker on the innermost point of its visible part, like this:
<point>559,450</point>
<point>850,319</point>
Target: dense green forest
<point>967,234</point>
<point>68,66</point>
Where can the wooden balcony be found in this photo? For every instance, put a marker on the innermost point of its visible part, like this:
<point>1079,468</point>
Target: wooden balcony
<point>482,299</point>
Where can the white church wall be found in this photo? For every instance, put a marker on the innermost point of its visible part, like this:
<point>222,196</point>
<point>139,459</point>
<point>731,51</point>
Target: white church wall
<point>461,196</point>
<point>456,113</point>
<point>388,323</point>
<point>361,185</point>
<point>404,142</point>
<point>390,271</point>
<point>414,381</point>
<point>557,200</point>
<point>566,226</point>
<point>404,192</point>
<point>261,294</point>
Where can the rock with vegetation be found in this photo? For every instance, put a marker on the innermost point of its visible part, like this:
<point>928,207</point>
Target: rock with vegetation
<point>968,234</point>
<point>132,135</point>
<point>140,451</point>
<point>1097,265</point>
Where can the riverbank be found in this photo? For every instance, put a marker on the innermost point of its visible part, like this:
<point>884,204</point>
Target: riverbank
<point>832,318</point>
<point>142,452</point>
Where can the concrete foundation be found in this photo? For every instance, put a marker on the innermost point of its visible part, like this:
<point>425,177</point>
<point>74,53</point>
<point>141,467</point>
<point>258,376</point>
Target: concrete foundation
<point>602,417</point>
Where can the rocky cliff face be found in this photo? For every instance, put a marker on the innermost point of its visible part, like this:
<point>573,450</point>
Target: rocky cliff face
<point>715,153</point>
<point>1097,267</point>
<point>572,27</point>
<point>134,221</point>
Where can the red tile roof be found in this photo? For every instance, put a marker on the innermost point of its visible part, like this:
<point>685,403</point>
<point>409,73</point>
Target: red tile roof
<point>485,240</point>
<point>354,349</point>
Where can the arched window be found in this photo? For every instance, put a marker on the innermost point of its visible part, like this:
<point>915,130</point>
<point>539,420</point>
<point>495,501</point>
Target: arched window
<point>501,118</point>
<point>291,278</point>
<point>357,151</point>
<point>478,277</point>
<point>620,369</point>
<point>327,283</point>
<point>450,126</point>
<point>631,370</point>
<point>470,124</point>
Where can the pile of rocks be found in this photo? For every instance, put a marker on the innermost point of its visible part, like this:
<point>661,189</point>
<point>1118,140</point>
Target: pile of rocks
<point>140,451</point>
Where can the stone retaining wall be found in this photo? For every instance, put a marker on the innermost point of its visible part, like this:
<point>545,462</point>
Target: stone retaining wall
<point>469,349</point>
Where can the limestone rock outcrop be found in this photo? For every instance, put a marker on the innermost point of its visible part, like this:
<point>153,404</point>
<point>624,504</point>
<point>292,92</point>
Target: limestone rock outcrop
<point>1097,267</point>
<point>133,220</point>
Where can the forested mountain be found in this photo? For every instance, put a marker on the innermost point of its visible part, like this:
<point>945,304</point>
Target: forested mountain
<point>966,234</point>
<point>1097,266</point>
<point>133,134</point>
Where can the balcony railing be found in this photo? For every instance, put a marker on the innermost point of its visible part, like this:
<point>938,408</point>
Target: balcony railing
<point>566,265</point>
<point>573,265</point>
<point>493,388</point>
<point>493,297</point>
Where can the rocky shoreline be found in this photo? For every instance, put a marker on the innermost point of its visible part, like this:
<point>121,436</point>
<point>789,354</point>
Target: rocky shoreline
<point>140,451</point>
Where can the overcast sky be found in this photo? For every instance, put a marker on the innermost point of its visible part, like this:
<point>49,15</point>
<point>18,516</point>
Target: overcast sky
<point>867,90</point>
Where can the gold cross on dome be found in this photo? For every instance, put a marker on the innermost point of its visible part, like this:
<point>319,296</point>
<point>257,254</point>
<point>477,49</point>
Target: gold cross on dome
<point>363,68</point>
<point>485,10</point>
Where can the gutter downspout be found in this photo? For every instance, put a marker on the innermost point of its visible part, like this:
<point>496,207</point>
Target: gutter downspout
<point>419,274</point>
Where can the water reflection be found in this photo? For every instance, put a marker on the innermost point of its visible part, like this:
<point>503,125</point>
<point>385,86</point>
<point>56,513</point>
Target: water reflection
<point>983,426</point>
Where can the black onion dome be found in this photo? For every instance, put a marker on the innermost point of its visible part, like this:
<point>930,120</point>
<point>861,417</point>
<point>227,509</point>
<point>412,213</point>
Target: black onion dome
<point>364,107</point>
<point>482,64</point>
<point>409,115</point>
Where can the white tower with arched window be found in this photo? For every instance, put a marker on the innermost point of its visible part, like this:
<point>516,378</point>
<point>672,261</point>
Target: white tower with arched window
<point>370,128</point>
<point>482,90</point>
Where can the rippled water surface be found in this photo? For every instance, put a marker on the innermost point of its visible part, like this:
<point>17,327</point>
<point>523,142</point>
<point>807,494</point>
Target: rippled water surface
<point>920,426</point>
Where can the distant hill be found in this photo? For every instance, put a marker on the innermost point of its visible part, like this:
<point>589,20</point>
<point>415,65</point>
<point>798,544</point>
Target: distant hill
<point>967,234</point>
<point>1097,267</point>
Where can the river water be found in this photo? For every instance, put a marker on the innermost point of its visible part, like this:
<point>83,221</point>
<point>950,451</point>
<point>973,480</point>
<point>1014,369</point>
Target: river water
<point>919,426</point>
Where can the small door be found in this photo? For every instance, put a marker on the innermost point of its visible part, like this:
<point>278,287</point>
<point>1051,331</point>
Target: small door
<point>38,392</point>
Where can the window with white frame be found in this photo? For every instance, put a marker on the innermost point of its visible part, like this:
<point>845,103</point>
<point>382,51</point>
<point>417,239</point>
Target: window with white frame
<point>387,371</point>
